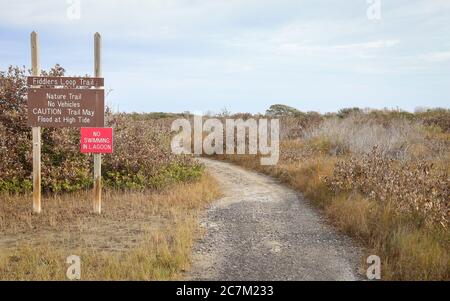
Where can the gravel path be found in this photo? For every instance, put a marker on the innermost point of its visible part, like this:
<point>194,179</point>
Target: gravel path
<point>262,230</point>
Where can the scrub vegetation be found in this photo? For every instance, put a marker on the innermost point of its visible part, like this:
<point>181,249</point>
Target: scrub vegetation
<point>381,176</point>
<point>150,206</point>
<point>142,157</point>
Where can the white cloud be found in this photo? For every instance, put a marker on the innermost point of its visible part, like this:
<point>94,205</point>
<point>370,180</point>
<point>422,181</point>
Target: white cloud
<point>436,57</point>
<point>379,44</point>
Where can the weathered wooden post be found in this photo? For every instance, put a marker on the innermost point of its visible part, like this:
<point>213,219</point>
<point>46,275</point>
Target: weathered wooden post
<point>46,110</point>
<point>97,157</point>
<point>36,71</point>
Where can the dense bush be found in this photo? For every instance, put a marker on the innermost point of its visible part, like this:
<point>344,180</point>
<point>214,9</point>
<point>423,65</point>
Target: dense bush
<point>282,110</point>
<point>436,117</point>
<point>416,187</point>
<point>142,156</point>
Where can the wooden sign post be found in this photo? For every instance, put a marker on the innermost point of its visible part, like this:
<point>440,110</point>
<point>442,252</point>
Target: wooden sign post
<point>36,71</point>
<point>64,102</point>
<point>97,157</point>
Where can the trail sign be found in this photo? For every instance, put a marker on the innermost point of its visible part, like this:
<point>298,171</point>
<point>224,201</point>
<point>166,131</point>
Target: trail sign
<point>50,107</point>
<point>96,140</point>
<point>68,82</point>
<point>67,102</point>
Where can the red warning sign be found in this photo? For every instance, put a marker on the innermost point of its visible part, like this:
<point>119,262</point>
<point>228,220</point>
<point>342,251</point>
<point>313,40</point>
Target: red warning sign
<point>96,140</point>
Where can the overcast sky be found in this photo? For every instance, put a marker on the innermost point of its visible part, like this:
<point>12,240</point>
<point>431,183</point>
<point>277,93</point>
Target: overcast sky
<point>198,55</point>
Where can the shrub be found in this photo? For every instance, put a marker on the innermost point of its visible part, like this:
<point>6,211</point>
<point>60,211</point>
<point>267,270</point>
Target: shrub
<point>417,188</point>
<point>279,110</point>
<point>142,156</point>
<point>436,117</point>
<point>345,112</point>
<point>394,198</point>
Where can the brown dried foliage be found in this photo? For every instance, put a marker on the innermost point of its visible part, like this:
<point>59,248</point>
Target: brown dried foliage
<point>414,187</point>
<point>142,156</point>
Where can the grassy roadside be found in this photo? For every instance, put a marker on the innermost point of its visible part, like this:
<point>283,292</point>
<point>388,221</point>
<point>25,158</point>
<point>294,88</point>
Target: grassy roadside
<point>408,249</point>
<point>140,235</point>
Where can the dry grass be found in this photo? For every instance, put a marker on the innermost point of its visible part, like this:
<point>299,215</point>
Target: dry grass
<point>140,235</point>
<point>359,135</point>
<point>409,249</point>
<point>380,176</point>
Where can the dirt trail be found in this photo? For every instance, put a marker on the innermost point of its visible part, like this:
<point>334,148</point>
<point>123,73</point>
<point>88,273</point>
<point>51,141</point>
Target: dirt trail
<point>262,230</point>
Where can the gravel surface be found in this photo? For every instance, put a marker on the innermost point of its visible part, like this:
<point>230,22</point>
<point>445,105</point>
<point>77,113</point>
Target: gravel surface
<point>262,230</point>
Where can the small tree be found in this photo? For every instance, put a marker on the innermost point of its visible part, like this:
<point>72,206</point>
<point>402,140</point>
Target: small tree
<point>345,112</point>
<point>279,110</point>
